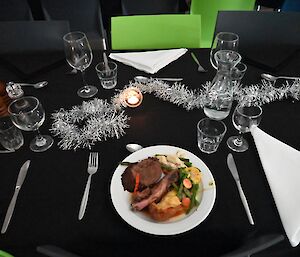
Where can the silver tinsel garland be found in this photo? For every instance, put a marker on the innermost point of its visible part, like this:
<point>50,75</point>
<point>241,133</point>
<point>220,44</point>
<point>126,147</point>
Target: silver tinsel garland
<point>189,99</point>
<point>84,125</point>
<point>97,120</point>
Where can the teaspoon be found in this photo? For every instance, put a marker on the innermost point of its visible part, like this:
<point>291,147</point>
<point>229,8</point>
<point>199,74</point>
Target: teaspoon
<point>145,79</point>
<point>274,78</point>
<point>35,85</point>
<point>133,147</point>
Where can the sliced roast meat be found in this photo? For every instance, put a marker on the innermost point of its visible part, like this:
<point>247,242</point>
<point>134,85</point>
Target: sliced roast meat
<point>140,195</point>
<point>157,192</point>
<point>149,171</point>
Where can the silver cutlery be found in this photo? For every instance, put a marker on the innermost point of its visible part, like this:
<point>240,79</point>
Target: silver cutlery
<point>234,172</point>
<point>274,78</point>
<point>200,68</point>
<point>107,69</point>
<point>145,79</point>
<point>54,251</point>
<point>35,85</point>
<point>133,147</point>
<point>7,151</point>
<point>92,169</point>
<point>255,245</point>
<point>10,210</point>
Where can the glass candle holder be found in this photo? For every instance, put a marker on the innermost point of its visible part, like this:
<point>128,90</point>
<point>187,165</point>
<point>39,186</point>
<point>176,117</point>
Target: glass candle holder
<point>132,97</point>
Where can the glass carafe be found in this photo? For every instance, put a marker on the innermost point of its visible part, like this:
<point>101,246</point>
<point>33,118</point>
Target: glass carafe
<point>219,97</point>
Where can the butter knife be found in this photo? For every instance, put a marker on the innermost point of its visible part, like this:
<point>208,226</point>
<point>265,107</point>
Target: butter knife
<point>10,210</point>
<point>234,172</point>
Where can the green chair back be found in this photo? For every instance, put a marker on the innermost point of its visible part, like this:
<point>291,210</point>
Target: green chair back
<point>155,31</point>
<point>5,254</point>
<point>208,9</point>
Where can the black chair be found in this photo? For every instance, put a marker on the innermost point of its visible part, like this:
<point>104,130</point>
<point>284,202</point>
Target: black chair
<point>142,7</point>
<point>274,4</point>
<point>270,51</point>
<point>15,10</point>
<point>290,6</point>
<point>32,36</point>
<point>31,46</point>
<point>83,16</point>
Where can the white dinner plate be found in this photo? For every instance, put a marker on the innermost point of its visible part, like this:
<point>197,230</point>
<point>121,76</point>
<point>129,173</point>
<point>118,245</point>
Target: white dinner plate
<point>138,220</point>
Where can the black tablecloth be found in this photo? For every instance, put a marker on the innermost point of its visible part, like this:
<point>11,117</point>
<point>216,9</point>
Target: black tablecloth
<point>47,208</point>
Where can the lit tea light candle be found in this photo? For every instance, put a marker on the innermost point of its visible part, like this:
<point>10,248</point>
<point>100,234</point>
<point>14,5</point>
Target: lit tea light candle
<point>133,97</point>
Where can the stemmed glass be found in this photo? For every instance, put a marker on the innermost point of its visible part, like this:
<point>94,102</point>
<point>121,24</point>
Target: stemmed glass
<point>223,41</point>
<point>28,114</point>
<point>79,56</point>
<point>243,118</point>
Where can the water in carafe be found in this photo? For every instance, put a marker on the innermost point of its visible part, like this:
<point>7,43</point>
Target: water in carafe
<point>219,97</point>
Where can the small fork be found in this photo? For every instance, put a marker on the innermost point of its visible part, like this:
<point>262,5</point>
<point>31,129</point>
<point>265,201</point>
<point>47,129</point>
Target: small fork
<point>92,169</point>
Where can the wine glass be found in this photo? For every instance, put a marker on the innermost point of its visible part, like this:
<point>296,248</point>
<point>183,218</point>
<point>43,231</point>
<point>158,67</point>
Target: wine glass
<point>243,118</point>
<point>28,114</point>
<point>79,56</point>
<point>223,41</point>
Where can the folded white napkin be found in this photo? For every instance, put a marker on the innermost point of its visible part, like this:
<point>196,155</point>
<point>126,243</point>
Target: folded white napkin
<point>150,61</point>
<point>281,164</point>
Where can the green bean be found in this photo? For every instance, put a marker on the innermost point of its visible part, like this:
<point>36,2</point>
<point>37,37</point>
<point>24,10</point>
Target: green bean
<point>175,186</point>
<point>166,167</point>
<point>188,164</point>
<point>127,163</point>
<point>179,193</point>
<point>194,201</point>
<point>187,192</point>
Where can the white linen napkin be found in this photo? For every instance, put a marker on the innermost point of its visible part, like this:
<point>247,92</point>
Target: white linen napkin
<point>150,61</point>
<point>281,164</point>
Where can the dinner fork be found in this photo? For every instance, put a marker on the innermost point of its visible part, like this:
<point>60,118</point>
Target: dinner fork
<point>92,169</point>
<point>200,68</point>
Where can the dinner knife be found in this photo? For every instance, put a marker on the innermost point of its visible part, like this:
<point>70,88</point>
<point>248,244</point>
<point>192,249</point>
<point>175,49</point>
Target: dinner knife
<point>7,151</point>
<point>54,251</point>
<point>10,210</point>
<point>234,172</point>
<point>256,245</point>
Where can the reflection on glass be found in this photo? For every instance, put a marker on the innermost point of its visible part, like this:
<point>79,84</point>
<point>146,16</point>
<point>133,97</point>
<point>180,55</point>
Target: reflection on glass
<point>79,56</point>
<point>243,118</point>
<point>223,41</point>
<point>28,114</point>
